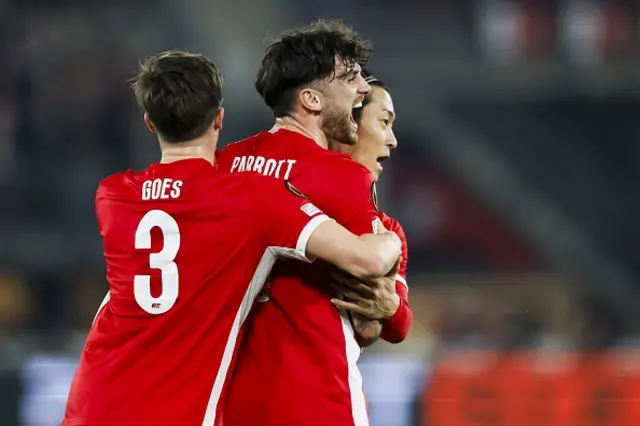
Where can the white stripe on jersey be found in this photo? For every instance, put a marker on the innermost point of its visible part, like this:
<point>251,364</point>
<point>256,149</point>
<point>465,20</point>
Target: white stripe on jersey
<point>255,286</point>
<point>104,302</point>
<point>358,403</point>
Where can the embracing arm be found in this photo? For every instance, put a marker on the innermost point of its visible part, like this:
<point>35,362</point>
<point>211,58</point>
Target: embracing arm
<point>366,256</point>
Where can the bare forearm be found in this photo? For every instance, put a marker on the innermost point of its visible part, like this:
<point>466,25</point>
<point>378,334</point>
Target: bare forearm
<point>367,256</point>
<point>387,250</point>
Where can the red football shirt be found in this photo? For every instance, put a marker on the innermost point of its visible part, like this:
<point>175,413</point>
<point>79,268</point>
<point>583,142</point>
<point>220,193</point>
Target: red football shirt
<point>396,328</point>
<point>297,361</point>
<point>187,250</point>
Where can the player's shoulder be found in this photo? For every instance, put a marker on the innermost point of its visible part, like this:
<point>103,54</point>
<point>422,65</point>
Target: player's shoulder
<point>337,179</point>
<point>342,162</point>
<point>111,181</point>
<point>341,170</point>
<point>260,144</point>
<point>113,185</point>
<point>241,145</point>
<point>392,224</point>
<point>235,148</point>
<point>264,140</point>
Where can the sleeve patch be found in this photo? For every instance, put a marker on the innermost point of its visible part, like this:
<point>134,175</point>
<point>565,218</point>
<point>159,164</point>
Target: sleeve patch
<point>310,209</point>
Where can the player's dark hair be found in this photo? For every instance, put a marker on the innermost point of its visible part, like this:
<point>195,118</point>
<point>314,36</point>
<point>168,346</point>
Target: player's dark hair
<point>180,91</point>
<point>357,112</point>
<point>300,57</point>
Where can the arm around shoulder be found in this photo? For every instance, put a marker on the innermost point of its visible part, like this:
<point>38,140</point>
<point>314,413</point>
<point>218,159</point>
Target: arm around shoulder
<point>366,256</point>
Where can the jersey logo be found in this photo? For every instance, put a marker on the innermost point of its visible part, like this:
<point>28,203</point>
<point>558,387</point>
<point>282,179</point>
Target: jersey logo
<point>292,189</point>
<point>374,196</point>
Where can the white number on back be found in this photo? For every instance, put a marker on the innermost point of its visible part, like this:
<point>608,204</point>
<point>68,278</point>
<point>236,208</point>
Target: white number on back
<point>163,260</point>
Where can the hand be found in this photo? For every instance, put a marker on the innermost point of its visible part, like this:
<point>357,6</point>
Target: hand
<point>375,299</point>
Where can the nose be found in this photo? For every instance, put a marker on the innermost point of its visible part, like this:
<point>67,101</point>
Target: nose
<point>391,142</point>
<point>363,88</point>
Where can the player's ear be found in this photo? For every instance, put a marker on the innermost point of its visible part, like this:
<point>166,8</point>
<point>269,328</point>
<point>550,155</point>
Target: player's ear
<point>149,124</point>
<point>311,99</point>
<point>218,119</point>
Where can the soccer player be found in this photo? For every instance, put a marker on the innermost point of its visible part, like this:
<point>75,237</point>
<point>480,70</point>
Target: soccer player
<point>297,362</point>
<point>388,304</point>
<point>188,249</point>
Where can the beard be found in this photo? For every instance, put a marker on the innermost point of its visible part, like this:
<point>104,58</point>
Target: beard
<point>336,126</point>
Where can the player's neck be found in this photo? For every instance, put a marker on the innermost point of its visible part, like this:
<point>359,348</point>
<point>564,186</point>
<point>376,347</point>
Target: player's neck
<point>337,146</point>
<point>196,148</point>
<point>294,125</point>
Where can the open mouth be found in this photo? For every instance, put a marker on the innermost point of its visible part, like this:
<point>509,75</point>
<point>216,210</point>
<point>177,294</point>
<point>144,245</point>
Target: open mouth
<point>381,159</point>
<point>352,118</point>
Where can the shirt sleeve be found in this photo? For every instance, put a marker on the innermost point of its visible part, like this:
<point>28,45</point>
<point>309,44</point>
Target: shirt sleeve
<point>343,189</point>
<point>98,207</point>
<point>396,328</point>
<point>287,217</point>
<point>102,201</point>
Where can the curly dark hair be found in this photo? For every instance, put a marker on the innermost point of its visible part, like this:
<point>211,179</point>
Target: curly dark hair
<point>180,91</point>
<point>304,56</point>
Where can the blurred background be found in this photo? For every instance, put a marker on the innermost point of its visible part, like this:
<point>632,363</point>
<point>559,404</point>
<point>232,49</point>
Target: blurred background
<point>515,180</point>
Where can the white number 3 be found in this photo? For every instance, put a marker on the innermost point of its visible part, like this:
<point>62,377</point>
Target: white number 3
<point>163,260</point>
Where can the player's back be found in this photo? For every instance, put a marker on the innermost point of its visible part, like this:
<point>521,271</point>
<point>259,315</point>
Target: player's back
<point>297,362</point>
<point>181,243</point>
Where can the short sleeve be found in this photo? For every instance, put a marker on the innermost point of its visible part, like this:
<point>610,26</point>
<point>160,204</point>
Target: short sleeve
<point>102,201</point>
<point>286,217</point>
<point>345,191</point>
<point>98,207</point>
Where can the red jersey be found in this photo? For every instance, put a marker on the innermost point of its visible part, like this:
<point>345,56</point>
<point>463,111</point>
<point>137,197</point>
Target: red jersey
<point>396,328</point>
<point>187,250</point>
<point>297,361</point>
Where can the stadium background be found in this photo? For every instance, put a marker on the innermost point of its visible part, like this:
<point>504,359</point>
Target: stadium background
<point>515,180</point>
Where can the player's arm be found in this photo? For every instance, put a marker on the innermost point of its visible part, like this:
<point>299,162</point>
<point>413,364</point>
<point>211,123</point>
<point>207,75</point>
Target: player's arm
<point>379,308</point>
<point>348,191</point>
<point>342,188</point>
<point>301,230</point>
<point>366,256</point>
<point>344,191</point>
<point>396,328</point>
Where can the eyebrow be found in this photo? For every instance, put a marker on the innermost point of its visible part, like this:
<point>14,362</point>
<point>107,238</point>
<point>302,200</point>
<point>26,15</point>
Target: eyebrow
<point>391,113</point>
<point>350,73</point>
